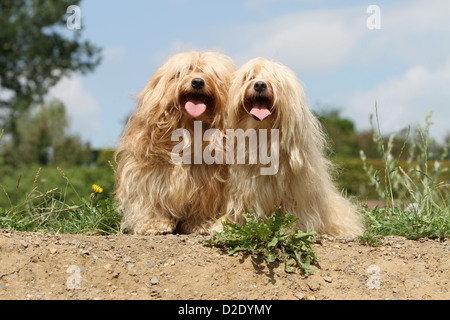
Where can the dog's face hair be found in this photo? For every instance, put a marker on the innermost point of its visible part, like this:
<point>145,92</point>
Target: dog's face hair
<point>189,86</point>
<point>258,92</point>
<point>264,94</point>
<point>267,95</point>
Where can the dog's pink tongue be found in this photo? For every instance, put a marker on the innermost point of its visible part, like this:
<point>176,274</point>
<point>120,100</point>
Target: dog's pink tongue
<point>260,111</point>
<point>261,114</point>
<point>195,108</point>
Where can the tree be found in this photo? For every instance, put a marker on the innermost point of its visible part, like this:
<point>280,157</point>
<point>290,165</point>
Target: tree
<point>35,53</point>
<point>340,132</point>
<point>44,138</point>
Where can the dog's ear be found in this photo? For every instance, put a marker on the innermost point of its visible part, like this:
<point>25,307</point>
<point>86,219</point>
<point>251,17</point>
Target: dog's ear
<point>150,123</point>
<point>152,99</point>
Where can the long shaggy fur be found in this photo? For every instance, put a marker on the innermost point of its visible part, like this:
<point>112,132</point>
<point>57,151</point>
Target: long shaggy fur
<point>156,195</point>
<point>302,186</point>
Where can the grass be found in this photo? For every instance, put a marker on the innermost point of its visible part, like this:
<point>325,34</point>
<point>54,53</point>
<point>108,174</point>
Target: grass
<point>50,211</point>
<point>407,223</point>
<point>72,182</point>
<point>69,206</point>
<point>270,237</point>
<point>416,198</point>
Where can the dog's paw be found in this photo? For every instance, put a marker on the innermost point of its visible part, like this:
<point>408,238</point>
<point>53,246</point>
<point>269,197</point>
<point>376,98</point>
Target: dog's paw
<point>188,227</point>
<point>203,230</point>
<point>217,227</point>
<point>157,227</point>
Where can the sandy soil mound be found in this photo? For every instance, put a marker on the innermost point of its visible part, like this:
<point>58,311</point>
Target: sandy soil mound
<point>63,266</point>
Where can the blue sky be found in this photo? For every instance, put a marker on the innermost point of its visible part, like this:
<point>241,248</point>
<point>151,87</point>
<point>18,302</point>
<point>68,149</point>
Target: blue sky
<point>404,65</point>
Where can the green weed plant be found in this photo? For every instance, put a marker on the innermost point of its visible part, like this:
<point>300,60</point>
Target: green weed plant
<point>270,237</point>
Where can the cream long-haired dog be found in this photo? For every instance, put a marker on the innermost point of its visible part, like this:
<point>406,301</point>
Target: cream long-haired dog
<point>156,195</point>
<point>267,95</point>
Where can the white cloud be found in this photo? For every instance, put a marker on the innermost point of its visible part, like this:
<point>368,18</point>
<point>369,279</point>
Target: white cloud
<point>405,100</point>
<point>305,41</point>
<point>412,32</point>
<point>83,110</point>
<point>321,40</point>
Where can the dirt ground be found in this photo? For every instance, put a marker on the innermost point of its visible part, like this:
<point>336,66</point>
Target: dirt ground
<point>61,266</point>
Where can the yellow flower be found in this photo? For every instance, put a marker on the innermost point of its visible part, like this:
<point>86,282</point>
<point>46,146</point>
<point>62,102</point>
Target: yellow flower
<point>224,220</point>
<point>97,189</point>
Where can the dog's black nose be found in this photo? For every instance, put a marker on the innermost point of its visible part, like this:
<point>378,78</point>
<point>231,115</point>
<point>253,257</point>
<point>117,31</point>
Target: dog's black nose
<point>198,83</point>
<point>260,86</point>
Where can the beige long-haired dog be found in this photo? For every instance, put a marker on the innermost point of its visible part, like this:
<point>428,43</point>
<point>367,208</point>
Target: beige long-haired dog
<point>267,95</point>
<point>157,195</point>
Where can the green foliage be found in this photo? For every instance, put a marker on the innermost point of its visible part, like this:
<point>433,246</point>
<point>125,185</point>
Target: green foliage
<point>44,139</point>
<point>416,198</point>
<point>268,236</point>
<point>71,207</point>
<point>351,176</point>
<point>344,140</point>
<point>43,212</point>
<point>371,236</point>
<point>105,157</point>
<point>71,181</point>
<point>409,223</point>
<point>340,132</point>
<point>332,119</point>
<point>36,52</point>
